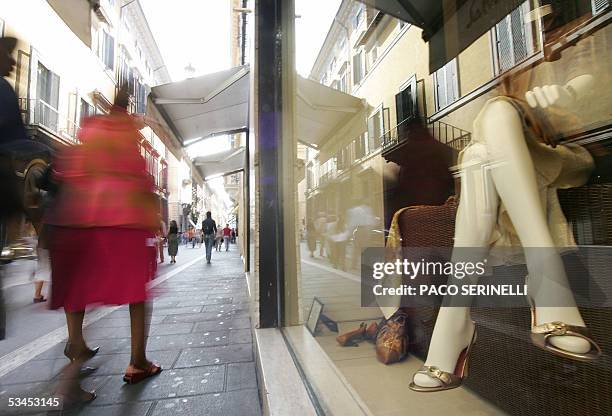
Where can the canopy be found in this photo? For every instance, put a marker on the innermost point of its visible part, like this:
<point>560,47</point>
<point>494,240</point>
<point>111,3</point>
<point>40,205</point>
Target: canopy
<point>77,16</point>
<point>322,110</point>
<point>221,163</point>
<point>206,106</point>
<point>215,104</point>
<point>450,26</point>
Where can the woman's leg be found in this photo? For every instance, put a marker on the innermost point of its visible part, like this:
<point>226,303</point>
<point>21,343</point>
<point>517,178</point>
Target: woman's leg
<point>74,321</point>
<point>139,326</point>
<point>38,285</point>
<point>515,181</point>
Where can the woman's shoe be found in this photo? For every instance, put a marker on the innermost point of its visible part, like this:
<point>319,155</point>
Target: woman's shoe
<point>135,375</point>
<point>447,380</point>
<point>77,397</point>
<point>83,355</point>
<point>540,334</point>
<point>40,299</point>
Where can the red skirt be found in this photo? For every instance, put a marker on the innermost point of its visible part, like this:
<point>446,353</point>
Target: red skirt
<point>105,265</point>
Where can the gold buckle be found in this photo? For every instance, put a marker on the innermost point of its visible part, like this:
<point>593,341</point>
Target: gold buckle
<point>556,328</point>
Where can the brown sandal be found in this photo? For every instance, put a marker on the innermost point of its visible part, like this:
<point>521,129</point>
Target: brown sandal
<point>135,375</point>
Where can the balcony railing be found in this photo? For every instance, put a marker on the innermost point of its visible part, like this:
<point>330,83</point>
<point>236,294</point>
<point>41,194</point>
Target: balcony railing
<point>445,133</point>
<point>38,112</point>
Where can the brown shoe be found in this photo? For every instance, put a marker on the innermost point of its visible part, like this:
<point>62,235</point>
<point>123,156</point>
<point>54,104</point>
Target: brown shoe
<point>392,340</point>
<point>349,338</point>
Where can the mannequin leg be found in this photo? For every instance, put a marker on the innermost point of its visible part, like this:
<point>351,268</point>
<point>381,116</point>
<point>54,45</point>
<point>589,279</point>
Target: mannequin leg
<point>476,216</point>
<point>515,181</point>
<point>511,178</point>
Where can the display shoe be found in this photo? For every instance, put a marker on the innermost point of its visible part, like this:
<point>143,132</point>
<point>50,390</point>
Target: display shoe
<point>392,339</point>
<point>350,339</point>
<point>540,335</point>
<point>447,380</point>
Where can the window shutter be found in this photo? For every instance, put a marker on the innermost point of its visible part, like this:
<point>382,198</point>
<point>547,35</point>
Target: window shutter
<point>518,34</point>
<point>440,78</point>
<point>54,92</point>
<point>599,5</point>
<point>399,107</point>
<point>504,45</point>
<point>452,91</point>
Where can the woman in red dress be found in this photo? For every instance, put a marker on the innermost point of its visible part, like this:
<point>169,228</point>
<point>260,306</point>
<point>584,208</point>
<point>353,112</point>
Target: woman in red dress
<point>104,221</point>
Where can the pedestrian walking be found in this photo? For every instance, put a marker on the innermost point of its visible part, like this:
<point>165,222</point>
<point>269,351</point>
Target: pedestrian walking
<point>162,232</point>
<point>311,237</point>
<point>219,239</point>
<point>209,229</point>
<point>199,237</point>
<point>40,271</point>
<point>106,206</point>
<point>227,233</point>
<point>233,239</point>
<point>173,241</point>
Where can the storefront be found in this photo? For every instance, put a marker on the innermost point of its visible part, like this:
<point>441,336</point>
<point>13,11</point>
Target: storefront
<point>475,130</point>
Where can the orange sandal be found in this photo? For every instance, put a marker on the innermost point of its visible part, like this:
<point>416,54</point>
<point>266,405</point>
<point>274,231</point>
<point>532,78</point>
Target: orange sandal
<point>135,375</point>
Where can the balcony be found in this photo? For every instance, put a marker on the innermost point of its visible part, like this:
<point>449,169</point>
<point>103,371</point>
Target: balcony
<point>37,112</point>
<point>451,136</point>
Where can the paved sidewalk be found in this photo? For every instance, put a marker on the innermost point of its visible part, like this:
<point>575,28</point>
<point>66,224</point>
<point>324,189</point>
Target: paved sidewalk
<point>200,333</point>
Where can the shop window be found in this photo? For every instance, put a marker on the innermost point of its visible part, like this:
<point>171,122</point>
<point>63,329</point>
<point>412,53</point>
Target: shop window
<point>376,128</point>
<point>446,85</point>
<point>358,67</point>
<point>513,39</point>
<point>406,102</point>
<point>47,91</point>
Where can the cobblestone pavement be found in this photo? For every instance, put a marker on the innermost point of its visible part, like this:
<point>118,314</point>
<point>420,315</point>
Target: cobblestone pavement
<point>200,333</point>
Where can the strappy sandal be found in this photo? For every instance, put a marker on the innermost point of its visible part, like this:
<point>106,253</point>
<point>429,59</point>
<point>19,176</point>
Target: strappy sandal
<point>447,380</point>
<point>540,335</point>
<point>82,355</point>
<point>136,374</point>
<point>40,299</point>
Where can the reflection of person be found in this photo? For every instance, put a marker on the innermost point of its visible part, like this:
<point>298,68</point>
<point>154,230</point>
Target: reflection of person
<point>173,241</point>
<point>311,237</point>
<point>510,178</point>
<point>106,204</point>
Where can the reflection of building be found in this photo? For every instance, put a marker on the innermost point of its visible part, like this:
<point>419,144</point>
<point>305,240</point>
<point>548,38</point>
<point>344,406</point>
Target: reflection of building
<point>423,98</point>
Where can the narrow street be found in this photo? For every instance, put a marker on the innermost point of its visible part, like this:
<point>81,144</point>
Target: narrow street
<point>200,333</point>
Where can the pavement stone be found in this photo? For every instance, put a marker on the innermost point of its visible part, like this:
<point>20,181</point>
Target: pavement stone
<point>201,335</point>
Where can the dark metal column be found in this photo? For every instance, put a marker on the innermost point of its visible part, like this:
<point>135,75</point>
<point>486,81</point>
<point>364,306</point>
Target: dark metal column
<point>269,149</point>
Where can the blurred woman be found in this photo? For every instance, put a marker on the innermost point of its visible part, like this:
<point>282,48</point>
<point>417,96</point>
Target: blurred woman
<point>103,226</point>
<point>219,239</point>
<point>173,241</point>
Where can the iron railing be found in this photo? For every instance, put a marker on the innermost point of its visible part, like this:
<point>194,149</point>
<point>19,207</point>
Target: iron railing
<point>40,113</point>
<point>445,133</point>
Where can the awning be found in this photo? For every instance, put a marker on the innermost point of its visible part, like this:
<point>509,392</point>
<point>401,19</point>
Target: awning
<point>215,104</point>
<point>322,110</point>
<point>450,26</point>
<point>77,16</point>
<point>206,106</point>
<point>221,163</point>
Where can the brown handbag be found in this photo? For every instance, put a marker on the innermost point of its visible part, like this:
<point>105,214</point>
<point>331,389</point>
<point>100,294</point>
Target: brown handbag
<point>392,339</point>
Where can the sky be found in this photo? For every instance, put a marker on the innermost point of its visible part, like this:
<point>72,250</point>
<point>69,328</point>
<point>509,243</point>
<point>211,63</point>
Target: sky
<point>197,32</point>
